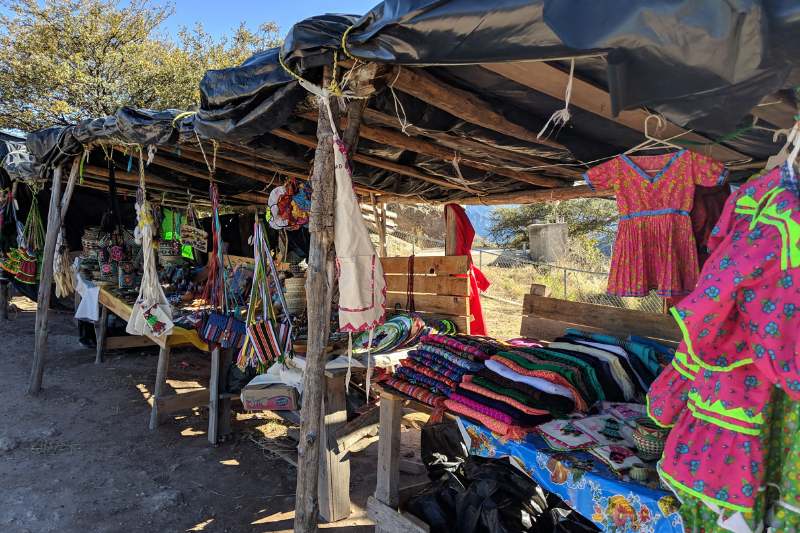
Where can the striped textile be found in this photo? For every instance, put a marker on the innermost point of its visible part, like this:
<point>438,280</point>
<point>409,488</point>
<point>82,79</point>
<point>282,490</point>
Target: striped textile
<point>469,385</point>
<point>417,392</point>
<point>447,355</point>
<point>420,379</point>
<point>505,431</point>
<point>518,416</point>
<point>530,396</point>
<point>443,370</point>
<point>481,408</point>
<point>422,369</point>
<point>552,377</point>
<point>450,343</point>
<point>573,374</point>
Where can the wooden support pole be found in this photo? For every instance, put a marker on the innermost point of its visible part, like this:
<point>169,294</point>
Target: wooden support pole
<point>334,471</point>
<point>55,218</point>
<point>451,232</point>
<point>383,230</point>
<point>320,254</point>
<point>378,226</point>
<point>161,382</point>
<point>387,490</point>
<point>224,424</point>
<point>101,330</point>
<point>213,401</point>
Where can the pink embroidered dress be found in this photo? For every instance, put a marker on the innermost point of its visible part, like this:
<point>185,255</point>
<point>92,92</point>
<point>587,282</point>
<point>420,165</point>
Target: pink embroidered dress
<point>740,331</point>
<point>655,246</point>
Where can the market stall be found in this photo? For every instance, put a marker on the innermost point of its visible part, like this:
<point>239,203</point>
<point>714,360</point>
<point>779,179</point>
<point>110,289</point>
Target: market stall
<point>444,102</point>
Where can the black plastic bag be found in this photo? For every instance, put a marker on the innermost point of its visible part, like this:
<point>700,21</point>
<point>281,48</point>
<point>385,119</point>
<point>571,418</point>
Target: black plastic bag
<point>238,378</point>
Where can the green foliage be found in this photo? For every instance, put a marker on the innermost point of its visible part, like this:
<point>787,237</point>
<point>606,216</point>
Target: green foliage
<point>62,61</point>
<point>588,219</point>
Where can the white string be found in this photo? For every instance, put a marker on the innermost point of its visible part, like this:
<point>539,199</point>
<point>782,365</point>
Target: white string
<point>560,117</point>
<point>460,180</point>
<point>404,123</point>
<point>151,153</point>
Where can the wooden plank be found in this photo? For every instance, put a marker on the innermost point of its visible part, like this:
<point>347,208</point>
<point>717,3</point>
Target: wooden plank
<point>532,196</point>
<point>177,402</point>
<point>475,149</point>
<point>447,305</point>
<point>224,422</point>
<point>462,104</point>
<point>548,330</point>
<point>161,380</point>
<point>356,429</point>
<point>116,306</point>
<point>213,397</point>
<point>544,78</point>
<point>388,520</point>
<point>388,488</point>
<point>439,265</point>
<point>412,467</point>
<point>451,231</point>
<point>334,472</point>
<point>614,320</point>
<point>407,493</point>
<point>424,284</point>
<point>101,329</point>
<point>131,341</point>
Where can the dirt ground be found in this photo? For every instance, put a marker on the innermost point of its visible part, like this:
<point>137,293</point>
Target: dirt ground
<point>79,456</point>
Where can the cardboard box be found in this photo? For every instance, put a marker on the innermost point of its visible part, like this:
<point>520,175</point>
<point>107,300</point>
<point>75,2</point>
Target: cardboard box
<point>266,397</point>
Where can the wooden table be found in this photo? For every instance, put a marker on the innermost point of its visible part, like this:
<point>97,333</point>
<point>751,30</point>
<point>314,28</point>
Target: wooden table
<point>216,396</point>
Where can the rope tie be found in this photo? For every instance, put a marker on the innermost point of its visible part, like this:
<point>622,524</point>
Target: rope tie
<point>560,117</point>
<point>404,123</point>
<point>460,180</point>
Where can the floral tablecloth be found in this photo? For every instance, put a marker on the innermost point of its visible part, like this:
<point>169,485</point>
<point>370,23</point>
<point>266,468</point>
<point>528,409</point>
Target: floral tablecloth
<point>586,484</point>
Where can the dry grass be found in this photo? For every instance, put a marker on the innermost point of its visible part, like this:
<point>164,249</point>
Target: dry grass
<point>503,320</point>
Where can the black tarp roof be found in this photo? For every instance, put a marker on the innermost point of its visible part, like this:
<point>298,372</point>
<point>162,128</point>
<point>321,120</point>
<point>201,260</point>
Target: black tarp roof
<point>703,64</point>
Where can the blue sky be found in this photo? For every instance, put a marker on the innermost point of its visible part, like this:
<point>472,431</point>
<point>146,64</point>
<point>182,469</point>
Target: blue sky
<point>220,17</point>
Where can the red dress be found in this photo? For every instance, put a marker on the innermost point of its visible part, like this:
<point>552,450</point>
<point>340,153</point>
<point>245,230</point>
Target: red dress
<point>655,246</point>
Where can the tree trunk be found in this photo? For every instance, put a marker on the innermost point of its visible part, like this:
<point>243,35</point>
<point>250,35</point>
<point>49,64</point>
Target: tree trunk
<point>321,229</point>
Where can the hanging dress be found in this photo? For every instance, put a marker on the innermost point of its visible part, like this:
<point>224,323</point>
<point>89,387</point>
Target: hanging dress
<point>740,339</point>
<point>655,246</point>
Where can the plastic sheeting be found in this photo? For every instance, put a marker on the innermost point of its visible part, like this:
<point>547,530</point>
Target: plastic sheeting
<point>475,495</point>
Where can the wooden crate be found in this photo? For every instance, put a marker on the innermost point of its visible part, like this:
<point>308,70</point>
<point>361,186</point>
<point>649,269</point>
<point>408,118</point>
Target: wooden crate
<point>439,291</point>
<point>547,318</point>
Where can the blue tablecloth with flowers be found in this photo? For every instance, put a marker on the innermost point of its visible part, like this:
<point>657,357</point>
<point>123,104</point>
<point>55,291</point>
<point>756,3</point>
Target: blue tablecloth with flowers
<point>586,484</point>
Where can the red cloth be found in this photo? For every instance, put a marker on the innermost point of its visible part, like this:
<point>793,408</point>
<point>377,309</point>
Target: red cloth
<point>465,234</point>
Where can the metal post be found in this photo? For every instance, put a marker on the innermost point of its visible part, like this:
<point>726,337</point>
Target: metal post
<point>480,259</point>
<point>565,283</point>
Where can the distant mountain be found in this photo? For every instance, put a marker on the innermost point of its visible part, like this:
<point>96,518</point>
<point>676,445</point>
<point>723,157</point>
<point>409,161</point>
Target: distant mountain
<point>479,217</point>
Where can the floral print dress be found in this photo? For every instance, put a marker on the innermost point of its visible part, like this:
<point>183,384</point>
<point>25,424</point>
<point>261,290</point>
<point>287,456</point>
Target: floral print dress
<point>655,246</point>
<point>740,343</point>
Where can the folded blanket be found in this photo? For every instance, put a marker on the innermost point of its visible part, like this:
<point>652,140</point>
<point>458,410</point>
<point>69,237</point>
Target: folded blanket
<point>549,382</point>
<point>518,416</point>
<point>448,355</point>
<point>422,369</point>
<point>450,342</point>
<point>506,431</point>
<point>584,370</point>
<point>522,392</point>
<point>417,392</point>
<point>436,367</point>
<point>470,385</point>
<point>416,378</point>
<point>570,373</point>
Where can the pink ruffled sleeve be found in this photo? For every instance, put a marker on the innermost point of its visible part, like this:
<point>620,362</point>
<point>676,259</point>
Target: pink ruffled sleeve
<point>604,176</point>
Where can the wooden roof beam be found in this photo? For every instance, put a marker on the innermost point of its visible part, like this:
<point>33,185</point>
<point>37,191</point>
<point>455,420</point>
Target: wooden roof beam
<point>549,80</point>
<point>515,197</point>
<point>467,145</point>
<point>421,146</point>
<point>305,140</point>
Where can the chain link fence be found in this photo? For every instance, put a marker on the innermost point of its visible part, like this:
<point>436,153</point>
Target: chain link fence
<point>511,273</point>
